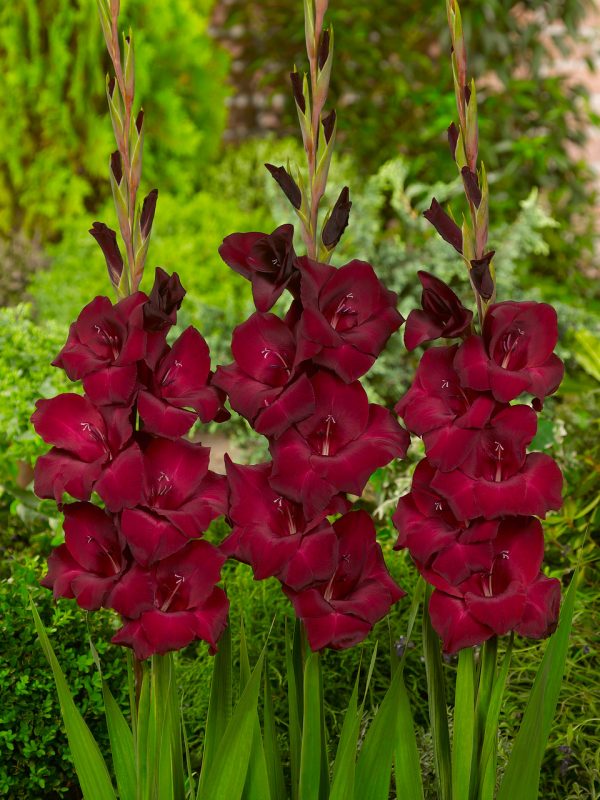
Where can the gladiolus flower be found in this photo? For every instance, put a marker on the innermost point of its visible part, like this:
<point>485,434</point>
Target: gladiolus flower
<point>347,318</point>
<point>339,613</point>
<point>91,561</point>
<point>173,603</point>
<point>514,354</point>
<point>443,315</point>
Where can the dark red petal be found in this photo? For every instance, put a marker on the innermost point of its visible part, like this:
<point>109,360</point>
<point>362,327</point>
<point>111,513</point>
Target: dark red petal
<point>338,631</point>
<point>59,472</point>
<point>540,615</point>
<point>420,327</point>
<point>149,537</point>
<point>177,464</point>
<point>501,612</point>
<point>92,539</point>
<point>134,593</point>
<point>471,363</point>
<point>236,250</point>
<point>454,624</point>
<point>71,422</point>
<point>111,385</point>
<point>295,403</point>
<point>62,570</point>
<point>163,419</point>
<point>120,485</point>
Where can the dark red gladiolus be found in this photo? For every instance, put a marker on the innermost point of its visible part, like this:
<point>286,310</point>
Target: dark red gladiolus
<point>340,612</point>
<point>92,560</point>
<point>160,311</point>
<point>263,385</point>
<point>507,593</point>
<point>514,353</point>
<point>103,347</point>
<point>268,261</point>
<point>87,444</point>
<point>178,389</point>
<point>437,408</point>
<point>272,533</point>
<point>173,603</point>
<point>534,489</point>
<point>347,317</point>
<point>443,316</point>
<point>336,448</point>
<point>177,485</point>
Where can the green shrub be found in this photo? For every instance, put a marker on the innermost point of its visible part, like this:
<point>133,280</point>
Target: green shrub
<point>34,754</point>
<point>55,135</point>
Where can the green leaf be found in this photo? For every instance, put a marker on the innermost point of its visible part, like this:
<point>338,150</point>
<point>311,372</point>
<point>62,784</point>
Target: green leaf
<point>409,782</point>
<point>227,768</point>
<point>438,713</point>
<point>121,739</point>
<point>271,745</point>
<point>219,704</point>
<point>522,776</point>
<point>257,780</point>
<point>342,784</point>
<point>143,724</point>
<point>464,725</point>
<point>487,759</point>
<point>374,767</point>
<point>310,756</point>
<point>293,659</point>
<point>90,766</point>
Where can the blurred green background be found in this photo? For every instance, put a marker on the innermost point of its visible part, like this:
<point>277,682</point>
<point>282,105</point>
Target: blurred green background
<point>213,80</point>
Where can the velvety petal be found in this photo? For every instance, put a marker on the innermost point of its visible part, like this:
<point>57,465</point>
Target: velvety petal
<point>246,396</point>
<point>501,612</point>
<point>345,405</point>
<point>165,632</point>
<point>351,468</point>
<point>91,591</point>
<point>420,327</point>
<point>314,560</point>
<point>172,470</point>
<point>236,250</point>
<point>346,361</point>
<point>198,565</point>
<point>134,593</point>
<point>522,538</point>
<point>62,570</point>
<point>111,385</point>
<point>458,561</point>
<point>92,539</point>
<point>211,618</point>
<point>149,537</point>
<point>448,447</point>
<point>120,485</point>
<point>295,403</point>
<point>545,379</point>
<point>471,363</point>
<point>293,474</point>
<point>58,472</point>
<point>422,535</point>
<point>540,615</point>
<point>187,366</point>
<point>454,624</point>
<point>506,384</point>
<point>338,631</point>
<point>163,419</point>
<point>264,347</point>
<point>70,422</point>
<point>195,515</point>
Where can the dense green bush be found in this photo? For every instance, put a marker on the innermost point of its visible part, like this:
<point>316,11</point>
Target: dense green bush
<point>34,755</point>
<point>55,137</point>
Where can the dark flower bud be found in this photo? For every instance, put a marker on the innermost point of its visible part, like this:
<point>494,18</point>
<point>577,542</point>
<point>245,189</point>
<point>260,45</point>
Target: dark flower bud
<point>107,239</point>
<point>288,186</point>
<point>165,300</point>
<point>444,225</point>
<point>338,220</point>
<point>297,88</point>
<point>147,215</point>
<point>323,49</point>
<point>481,275</point>
<point>453,139</point>
<point>116,166</point>
<point>139,121</point>
<point>328,125</point>
<point>467,92</point>
<point>111,87</point>
<point>471,186</point>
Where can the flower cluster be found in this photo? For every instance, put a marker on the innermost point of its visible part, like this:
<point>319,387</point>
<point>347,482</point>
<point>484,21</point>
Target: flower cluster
<point>296,381</point>
<point>470,519</point>
<point>140,554</point>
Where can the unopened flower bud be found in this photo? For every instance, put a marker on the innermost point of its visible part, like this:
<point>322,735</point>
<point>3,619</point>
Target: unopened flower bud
<point>107,239</point>
<point>444,225</point>
<point>338,220</point>
<point>297,88</point>
<point>288,186</point>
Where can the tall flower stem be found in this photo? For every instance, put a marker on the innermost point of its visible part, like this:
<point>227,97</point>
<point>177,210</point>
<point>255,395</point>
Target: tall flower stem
<point>135,222</point>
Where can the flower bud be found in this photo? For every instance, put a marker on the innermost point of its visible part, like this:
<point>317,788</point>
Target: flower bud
<point>444,225</point>
<point>297,88</point>
<point>107,239</point>
<point>288,186</point>
<point>481,276</point>
<point>337,222</point>
<point>471,186</point>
